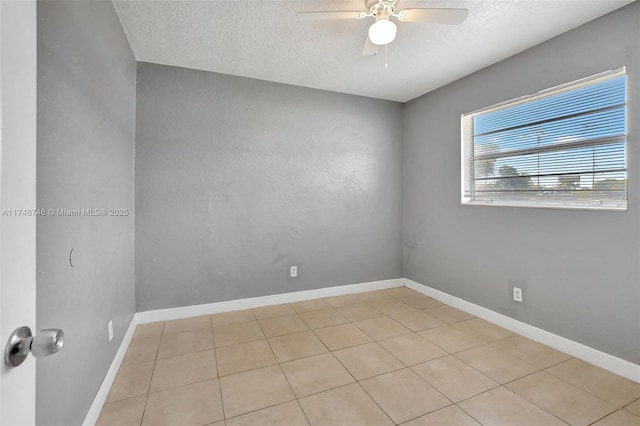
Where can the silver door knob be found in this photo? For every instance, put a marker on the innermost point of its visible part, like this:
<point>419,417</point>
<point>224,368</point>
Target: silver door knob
<point>21,342</point>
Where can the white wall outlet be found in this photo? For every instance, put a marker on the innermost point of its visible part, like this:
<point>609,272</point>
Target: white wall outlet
<point>517,294</point>
<point>110,329</point>
<point>293,272</point>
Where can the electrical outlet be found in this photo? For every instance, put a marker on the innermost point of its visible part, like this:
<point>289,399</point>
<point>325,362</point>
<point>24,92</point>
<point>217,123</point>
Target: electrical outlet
<point>110,329</point>
<point>517,294</point>
<point>294,272</point>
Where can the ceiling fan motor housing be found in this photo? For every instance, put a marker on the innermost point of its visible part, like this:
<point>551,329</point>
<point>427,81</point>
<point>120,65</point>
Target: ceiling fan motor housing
<point>377,6</point>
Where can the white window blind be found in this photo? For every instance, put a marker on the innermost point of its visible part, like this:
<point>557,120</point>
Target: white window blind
<point>564,147</point>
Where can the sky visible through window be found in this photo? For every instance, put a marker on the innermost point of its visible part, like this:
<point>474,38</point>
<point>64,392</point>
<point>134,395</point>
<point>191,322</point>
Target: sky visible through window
<point>573,140</point>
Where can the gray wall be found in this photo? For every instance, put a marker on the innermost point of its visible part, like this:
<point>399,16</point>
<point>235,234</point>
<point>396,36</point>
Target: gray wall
<point>86,130</point>
<point>238,179</point>
<point>579,269</point>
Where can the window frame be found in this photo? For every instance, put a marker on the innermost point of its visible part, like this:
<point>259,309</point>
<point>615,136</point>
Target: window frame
<point>467,160</point>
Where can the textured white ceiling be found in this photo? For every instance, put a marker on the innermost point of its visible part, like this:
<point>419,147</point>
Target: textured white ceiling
<point>263,39</point>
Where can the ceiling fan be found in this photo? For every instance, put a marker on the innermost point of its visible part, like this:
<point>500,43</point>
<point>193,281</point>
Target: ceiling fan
<point>383,30</point>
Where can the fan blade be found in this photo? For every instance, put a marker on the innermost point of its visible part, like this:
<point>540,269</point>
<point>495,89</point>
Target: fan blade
<point>369,48</point>
<point>437,16</point>
<point>317,16</point>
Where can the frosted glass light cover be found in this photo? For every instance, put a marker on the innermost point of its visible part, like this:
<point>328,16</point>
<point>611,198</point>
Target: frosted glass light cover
<point>382,32</point>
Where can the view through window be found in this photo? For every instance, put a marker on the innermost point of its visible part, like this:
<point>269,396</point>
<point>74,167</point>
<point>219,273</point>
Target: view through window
<point>564,147</point>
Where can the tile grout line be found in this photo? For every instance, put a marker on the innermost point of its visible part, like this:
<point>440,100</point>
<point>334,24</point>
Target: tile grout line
<point>376,402</point>
<point>469,414</point>
<point>531,402</point>
<point>509,390</point>
<point>295,396</point>
<point>146,401</point>
<point>585,390</point>
<point>218,378</point>
<point>224,414</point>
<point>604,417</point>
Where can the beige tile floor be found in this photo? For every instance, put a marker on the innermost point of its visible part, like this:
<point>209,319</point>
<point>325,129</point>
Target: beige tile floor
<point>378,358</point>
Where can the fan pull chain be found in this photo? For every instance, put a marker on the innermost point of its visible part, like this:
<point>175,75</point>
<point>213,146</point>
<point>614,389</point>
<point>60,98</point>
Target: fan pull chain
<point>386,56</point>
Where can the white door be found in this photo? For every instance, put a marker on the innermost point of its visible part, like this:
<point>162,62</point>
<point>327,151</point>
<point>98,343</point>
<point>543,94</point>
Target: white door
<point>17,201</point>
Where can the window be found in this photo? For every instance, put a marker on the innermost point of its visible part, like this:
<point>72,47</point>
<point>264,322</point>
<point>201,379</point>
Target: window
<point>564,147</point>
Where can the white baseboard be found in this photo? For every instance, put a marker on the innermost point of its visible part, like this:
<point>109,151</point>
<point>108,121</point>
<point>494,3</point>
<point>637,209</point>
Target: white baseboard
<point>593,356</point>
<point>105,387</point>
<point>213,308</point>
<point>257,302</point>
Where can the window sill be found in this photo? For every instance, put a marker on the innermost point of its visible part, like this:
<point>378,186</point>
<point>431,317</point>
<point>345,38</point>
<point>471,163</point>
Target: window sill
<point>547,205</point>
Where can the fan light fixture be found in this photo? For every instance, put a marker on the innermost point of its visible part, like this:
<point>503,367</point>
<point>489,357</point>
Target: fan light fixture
<point>383,31</point>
